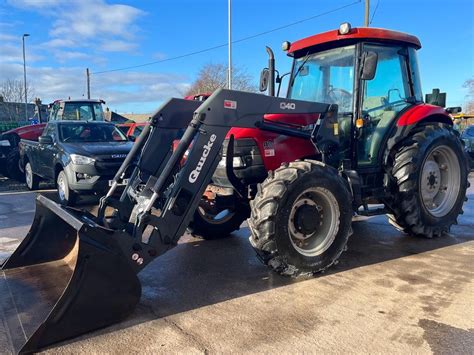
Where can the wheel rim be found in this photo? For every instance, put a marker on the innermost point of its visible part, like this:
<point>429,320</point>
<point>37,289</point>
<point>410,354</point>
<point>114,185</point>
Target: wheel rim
<point>29,175</point>
<point>211,214</point>
<point>61,188</point>
<point>440,181</point>
<point>314,221</point>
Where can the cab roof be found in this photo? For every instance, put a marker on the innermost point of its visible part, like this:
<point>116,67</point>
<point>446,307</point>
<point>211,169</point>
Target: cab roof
<point>333,39</point>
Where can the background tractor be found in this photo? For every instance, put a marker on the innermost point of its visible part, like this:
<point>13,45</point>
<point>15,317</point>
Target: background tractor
<point>352,130</point>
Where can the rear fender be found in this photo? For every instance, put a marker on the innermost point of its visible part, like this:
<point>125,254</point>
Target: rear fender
<point>415,117</point>
<point>420,114</point>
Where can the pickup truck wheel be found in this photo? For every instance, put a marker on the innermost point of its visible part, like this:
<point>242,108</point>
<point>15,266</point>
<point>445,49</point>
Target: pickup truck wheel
<point>13,170</point>
<point>67,197</point>
<point>32,180</point>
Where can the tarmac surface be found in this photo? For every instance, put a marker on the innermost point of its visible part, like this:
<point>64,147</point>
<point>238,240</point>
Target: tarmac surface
<point>390,293</point>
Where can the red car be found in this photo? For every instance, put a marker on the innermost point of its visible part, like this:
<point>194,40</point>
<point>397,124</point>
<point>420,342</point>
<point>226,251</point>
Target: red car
<point>9,147</point>
<point>132,130</point>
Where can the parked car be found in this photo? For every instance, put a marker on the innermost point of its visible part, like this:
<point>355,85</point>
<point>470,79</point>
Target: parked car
<point>9,154</point>
<point>81,157</point>
<point>468,138</point>
<point>132,130</point>
<point>78,110</point>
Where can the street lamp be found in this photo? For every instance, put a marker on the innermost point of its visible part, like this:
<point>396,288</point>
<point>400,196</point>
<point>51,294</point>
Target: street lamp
<point>24,76</point>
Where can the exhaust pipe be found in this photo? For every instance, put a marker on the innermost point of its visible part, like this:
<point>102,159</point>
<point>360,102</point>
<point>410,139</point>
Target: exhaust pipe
<point>271,68</point>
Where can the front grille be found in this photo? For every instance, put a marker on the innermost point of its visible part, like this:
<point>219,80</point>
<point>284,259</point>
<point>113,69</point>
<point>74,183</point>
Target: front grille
<point>108,167</point>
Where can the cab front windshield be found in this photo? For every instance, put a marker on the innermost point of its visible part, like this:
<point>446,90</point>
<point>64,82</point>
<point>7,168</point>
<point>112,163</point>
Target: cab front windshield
<point>326,77</point>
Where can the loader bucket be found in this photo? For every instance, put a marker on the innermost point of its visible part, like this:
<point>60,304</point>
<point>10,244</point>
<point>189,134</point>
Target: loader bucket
<point>69,276</point>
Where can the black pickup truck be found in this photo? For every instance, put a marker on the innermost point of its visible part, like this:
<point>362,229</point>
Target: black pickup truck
<point>80,156</point>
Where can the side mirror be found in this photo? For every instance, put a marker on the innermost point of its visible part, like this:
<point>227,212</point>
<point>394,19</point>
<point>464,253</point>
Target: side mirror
<point>264,79</point>
<point>45,140</point>
<point>454,110</point>
<point>369,65</point>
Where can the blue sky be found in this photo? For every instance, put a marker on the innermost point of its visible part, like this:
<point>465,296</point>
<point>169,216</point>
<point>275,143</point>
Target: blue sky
<point>68,36</point>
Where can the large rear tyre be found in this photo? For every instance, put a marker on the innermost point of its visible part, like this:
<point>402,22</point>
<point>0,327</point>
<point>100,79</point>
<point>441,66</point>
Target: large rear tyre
<point>32,180</point>
<point>301,218</point>
<point>429,178</point>
<point>213,220</point>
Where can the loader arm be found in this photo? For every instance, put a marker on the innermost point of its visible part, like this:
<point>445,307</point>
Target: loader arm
<point>75,272</point>
<point>167,200</point>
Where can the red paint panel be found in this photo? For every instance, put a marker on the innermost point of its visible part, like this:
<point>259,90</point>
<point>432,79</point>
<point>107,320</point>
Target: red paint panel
<point>355,34</point>
<point>287,149</point>
<point>420,112</point>
<point>29,132</point>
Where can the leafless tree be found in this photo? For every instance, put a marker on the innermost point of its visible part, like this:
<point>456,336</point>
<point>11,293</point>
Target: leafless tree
<point>469,99</point>
<point>13,91</point>
<point>213,76</point>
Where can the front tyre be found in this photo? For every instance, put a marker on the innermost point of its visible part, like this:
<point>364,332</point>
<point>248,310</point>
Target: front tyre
<point>67,197</point>
<point>214,220</point>
<point>428,181</point>
<point>32,180</point>
<point>301,218</point>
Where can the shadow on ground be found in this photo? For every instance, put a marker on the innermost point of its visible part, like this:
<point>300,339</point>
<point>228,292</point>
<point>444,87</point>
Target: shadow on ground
<point>200,273</point>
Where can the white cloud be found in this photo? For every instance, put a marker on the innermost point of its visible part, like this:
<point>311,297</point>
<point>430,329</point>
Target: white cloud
<point>64,56</point>
<point>60,42</point>
<point>75,22</point>
<point>35,3</point>
<point>5,37</point>
<point>14,53</point>
<point>118,89</point>
<point>96,19</point>
<point>118,46</point>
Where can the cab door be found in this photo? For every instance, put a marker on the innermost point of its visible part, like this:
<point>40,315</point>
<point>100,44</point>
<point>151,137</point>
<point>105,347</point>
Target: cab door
<point>382,99</point>
<point>47,153</point>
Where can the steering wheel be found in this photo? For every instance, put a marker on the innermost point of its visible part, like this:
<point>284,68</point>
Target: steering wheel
<point>341,97</point>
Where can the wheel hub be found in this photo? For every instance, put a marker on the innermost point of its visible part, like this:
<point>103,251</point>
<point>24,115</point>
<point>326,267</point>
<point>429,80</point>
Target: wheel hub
<point>440,180</point>
<point>313,222</point>
<point>308,218</point>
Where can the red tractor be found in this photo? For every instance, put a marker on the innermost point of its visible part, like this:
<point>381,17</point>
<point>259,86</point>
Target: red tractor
<point>393,150</point>
<point>352,131</point>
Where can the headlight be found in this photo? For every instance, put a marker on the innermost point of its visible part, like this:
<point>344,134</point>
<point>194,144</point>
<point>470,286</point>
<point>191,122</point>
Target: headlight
<point>5,143</point>
<point>81,160</point>
<point>237,162</point>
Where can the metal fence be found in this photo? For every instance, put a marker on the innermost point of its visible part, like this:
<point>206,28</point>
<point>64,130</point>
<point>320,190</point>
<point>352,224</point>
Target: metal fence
<point>6,126</point>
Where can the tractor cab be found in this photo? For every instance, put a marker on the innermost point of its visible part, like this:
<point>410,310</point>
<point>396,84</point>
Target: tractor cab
<point>371,74</point>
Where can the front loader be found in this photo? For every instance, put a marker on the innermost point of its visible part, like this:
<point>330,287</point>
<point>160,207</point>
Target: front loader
<point>76,272</point>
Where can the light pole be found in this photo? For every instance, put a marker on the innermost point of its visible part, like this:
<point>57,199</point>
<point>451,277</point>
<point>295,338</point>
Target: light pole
<point>24,77</point>
<point>229,33</point>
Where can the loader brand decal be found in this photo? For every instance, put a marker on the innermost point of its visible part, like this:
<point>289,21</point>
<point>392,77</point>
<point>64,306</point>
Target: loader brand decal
<point>269,148</point>
<point>287,105</point>
<point>206,150</point>
<point>230,104</point>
